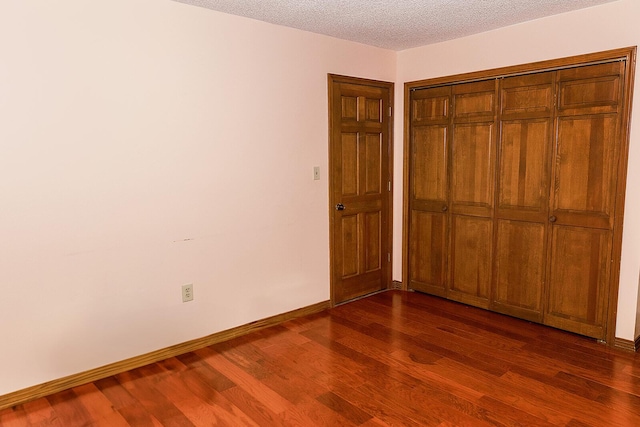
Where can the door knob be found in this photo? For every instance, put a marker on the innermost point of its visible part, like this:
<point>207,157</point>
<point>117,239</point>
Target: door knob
<point>552,218</point>
<point>444,208</point>
<point>340,207</point>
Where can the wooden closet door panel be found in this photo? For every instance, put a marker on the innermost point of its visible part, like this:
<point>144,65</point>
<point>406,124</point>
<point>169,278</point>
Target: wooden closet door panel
<point>593,89</point>
<point>582,216</point>
<point>578,281</point>
<point>587,145</point>
<point>523,172</point>
<point>430,105</point>
<point>474,101</point>
<point>429,166</point>
<point>520,269</point>
<point>522,199</point>
<point>471,258</point>
<point>524,147</point>
<point>473,161</point>
<point>428,252</point>
<point>429,190</point>
<point>528,95</point>
<point>584,170</point>
<point>473,148</point>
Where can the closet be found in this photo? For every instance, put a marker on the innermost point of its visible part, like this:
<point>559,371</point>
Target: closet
<point>515,189</point>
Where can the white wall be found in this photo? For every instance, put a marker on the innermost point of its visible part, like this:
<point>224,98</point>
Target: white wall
<point>610,26</point>
<point>146,144</point>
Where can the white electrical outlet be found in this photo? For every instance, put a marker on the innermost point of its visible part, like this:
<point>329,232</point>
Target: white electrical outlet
<point>187,292</point>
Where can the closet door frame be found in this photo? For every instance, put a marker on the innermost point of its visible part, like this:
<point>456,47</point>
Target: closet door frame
<point>624,54</point>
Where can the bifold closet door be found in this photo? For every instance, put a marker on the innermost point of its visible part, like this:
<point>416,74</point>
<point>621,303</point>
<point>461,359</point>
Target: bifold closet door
<point>429,196</point>
<point>522,205</point>
<point>452,189</point>
<point>473,154</point>
<point>587,150</point>
<point>512,192</point>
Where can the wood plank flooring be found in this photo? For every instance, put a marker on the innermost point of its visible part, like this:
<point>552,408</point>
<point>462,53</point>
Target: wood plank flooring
<point>392,359</point>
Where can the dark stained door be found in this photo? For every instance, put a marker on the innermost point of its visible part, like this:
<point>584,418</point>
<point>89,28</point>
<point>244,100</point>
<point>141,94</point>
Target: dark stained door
<point>360,186</point>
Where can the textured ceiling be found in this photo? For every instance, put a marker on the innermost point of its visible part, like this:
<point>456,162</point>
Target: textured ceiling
<point>395,24</point>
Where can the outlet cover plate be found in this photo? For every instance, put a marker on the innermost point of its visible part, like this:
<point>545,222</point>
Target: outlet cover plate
<point>187,292</point>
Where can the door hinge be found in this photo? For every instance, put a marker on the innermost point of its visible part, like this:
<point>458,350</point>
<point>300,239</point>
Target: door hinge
<point>389,186</point>
<point>388,256</point>
<point>390,111</point>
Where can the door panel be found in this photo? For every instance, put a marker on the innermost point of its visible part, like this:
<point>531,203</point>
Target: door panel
<point>428,105</point>
<point>473,154</point>
<point>472,168</point>
<point>531,95</point>
<point>524,147</point>
<point>472,101</point>
<point>590,89</point>
<point>520,269</point>
<point>429,182</point>
<point>349,245</point>
<point>373,163</point>
<point>584,169</point>
<point>359,170</point>
<point>430,164</point>
<point>372,239</point>
<point>583,197</point>
<point>588,132</point>
<point>523,176</point>
<point>471,260</point>
<point>428,252</point>
<point>473,149</point>
<point>524,162</point>
<point>349,162</point>
<point>579,273</point>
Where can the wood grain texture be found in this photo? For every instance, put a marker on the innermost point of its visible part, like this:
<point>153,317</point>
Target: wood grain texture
<point>360,166</point>
<point>31,393</point>
<point>534,151</point>
<point>394,358</point>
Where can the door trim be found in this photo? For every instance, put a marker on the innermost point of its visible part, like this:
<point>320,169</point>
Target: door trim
<point>332,80</point>
<point>627,54</point>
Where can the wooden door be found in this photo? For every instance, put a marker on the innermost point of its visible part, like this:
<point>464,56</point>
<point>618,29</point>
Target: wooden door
<point>522,200</point>
<point>473,142</point>
<point>583,198</point>
<point>515,188</point>
<point>360,186</point>
<point>429,187</point>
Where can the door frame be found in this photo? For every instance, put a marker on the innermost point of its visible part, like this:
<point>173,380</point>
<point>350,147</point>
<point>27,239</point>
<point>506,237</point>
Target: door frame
<point>332,80</point>
<point>629,55</point>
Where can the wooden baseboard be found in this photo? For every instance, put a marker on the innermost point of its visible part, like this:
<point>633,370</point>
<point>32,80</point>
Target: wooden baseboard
<point>627,345</point>
<point>54,386</point>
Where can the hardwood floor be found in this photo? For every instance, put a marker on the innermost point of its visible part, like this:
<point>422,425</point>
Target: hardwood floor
<point>395,358</point>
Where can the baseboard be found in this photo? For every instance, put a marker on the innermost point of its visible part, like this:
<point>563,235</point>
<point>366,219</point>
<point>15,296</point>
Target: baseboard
<point>627,345</point>
<point>54,386</point>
